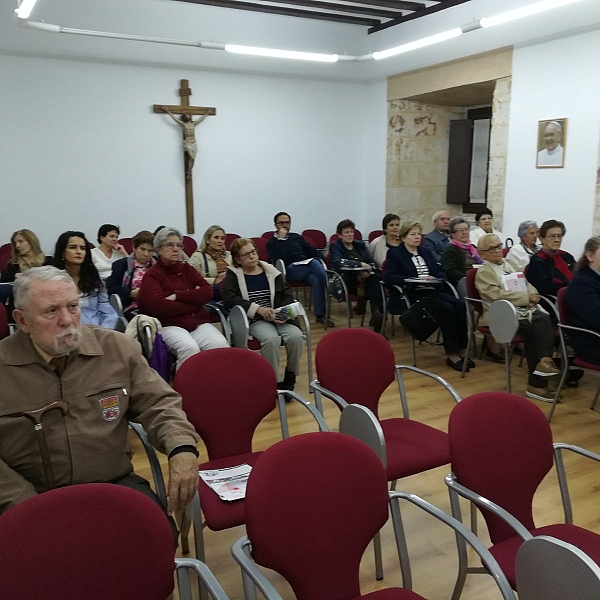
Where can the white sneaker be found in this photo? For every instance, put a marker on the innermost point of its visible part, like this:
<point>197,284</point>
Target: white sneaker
<point>546,368</point>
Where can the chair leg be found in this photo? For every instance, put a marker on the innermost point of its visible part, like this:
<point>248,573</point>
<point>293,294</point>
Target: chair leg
<point>195,515</point>
<point>393,326</point>
<point>349,312</point>
<point>378,560</point>
<point>507,357</point>
<point>595,400</point>
<point>463,560</point>
<point>414,351</point>
<point>474,518</point>
<point>247,583</point>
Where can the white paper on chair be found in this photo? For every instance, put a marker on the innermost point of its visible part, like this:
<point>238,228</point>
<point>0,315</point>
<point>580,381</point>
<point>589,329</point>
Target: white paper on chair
<point>514,282</point>
<point>303,262</point>
<point>229,484</point>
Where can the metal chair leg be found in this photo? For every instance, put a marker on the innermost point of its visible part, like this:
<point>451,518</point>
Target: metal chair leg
<point>595,400</point>
<point>507,357</point>
<point>463,559</point>
<point>378,560</point>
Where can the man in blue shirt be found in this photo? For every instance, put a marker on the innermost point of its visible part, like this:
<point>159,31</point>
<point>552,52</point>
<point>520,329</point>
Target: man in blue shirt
<point>302,262</point>
<point>437,240</point>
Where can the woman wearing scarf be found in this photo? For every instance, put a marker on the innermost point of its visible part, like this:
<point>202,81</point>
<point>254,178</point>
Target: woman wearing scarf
<point>127,273</point>
<point>460,256</point>
<point>551,268</point>
<point>520,254</point>
<point>211,259</point>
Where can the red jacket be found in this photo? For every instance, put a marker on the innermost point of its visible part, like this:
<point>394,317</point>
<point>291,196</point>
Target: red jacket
<point>191,291</point>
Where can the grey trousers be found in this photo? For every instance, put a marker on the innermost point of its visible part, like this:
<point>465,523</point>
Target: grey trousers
<point>270,337</point>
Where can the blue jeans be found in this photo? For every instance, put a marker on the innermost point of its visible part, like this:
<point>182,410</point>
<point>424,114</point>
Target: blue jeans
<point>314,273</point>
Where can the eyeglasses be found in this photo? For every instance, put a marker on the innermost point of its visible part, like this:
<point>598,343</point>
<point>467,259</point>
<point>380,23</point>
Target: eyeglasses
<point>283,223</point>
<point>248,254</point>
<point>555,236</point>
<point>494,248</point>
<point>461,230</point>
<point>171,245</point>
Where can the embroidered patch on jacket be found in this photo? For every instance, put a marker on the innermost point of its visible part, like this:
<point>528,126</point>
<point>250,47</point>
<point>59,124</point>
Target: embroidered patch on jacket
<point>110,408</point>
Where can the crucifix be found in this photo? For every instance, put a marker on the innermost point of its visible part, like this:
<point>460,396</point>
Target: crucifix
<point>190,146</point>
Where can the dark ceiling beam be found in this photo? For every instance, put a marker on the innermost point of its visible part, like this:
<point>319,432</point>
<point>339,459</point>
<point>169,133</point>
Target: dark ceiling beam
<point>417,14</point>
<point>342,8</point>
<point>288,12</point>
<point>393,4</point>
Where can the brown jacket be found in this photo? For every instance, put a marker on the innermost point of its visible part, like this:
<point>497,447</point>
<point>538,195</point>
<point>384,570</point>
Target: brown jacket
<point>106,383</point>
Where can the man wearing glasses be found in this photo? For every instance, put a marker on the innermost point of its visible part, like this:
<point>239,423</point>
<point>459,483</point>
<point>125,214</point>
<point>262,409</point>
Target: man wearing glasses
<point>302,261</point>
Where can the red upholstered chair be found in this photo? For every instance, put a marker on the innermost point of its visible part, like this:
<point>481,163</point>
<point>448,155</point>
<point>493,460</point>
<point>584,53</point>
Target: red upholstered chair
<point>229,237</point>
<point>505,252</point>
<point>317,237</point>
<point>375,234</point>
<point>4,331</point>
<point>5,256</point>
<point>501,448</point>
<point>118,544</point>
<point>127,244</point>
<point>267,235</point>
<point>563,330</point>
<point>189,245</point>
<point>360,377</point>
<point>261,246</point>
<point>226,393</point>
<point>311,526</point>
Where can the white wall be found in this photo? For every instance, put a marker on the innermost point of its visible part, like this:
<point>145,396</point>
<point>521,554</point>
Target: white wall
<point>555,80</point>
<point>80,146</point>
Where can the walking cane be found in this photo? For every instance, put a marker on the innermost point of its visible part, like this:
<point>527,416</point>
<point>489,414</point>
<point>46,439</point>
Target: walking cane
<point>35,416</point>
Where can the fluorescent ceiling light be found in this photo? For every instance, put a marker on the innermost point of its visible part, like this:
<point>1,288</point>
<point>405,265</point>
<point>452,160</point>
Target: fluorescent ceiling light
<point>331,58</point>
<point>526,11</point>
<point>25,9</point>
<point>428,41</point>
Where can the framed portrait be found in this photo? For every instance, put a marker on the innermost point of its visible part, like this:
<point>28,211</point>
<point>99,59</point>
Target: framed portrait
<point>551,144</point>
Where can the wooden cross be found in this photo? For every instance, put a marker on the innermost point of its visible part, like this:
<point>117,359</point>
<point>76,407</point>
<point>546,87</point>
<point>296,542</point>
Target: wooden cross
<point>187,125</point>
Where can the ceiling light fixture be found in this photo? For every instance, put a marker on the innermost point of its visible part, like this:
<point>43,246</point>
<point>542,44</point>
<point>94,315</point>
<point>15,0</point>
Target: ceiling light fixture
<point>271,52</point>
<point>428,41</point>
<point>525,11</point>
<point>25,8</point>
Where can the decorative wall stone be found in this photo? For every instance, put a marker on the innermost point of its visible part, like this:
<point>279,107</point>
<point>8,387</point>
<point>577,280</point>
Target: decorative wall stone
<point>417,159</point>
<point>499,149</point>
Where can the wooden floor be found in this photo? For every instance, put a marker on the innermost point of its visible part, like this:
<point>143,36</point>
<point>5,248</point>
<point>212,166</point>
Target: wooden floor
<point>431,545</point>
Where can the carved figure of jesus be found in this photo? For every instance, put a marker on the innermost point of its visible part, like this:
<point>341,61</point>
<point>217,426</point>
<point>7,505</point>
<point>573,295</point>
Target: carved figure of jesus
<point>190,147</point>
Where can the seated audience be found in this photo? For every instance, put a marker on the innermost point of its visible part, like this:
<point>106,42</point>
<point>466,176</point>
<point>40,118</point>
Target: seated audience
<point>380,245</point>
<point>410,261</point>
<point>71,253</point>
<point>551,268</point>
<point>520,254</point>
<point>127,273</point>
<point>211,259</point>
<point>485,224</point>
<point>176,293</point>
<point>460,256</point>
<point>583,303</point>
<point>108,250</point>
<point>259,288</point>
<point>297,253</point>
<point>437,240</point>
<point>348,253</point>
<point>535,326</point>
<point>26,253</point>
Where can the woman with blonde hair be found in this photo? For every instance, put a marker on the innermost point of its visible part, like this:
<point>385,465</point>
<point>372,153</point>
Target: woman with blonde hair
<point>26,253</point>
<point>212,259</point>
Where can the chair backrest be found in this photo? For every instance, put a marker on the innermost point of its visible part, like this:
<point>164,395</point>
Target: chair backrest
<point>93,541</point>
<point>561,303</point>
<point>261,246</point>
<point>189,245</point>
<point>472,291</point>
<point>356,364</point>
<point>5,256</point>
<point>4,331</point>
<point>319,240</point>
<point>267,235</point>
<point>127,244</point>
<point>503,321</point>
<point>359,422</point>
<point>226,393</point>
<point>229,237</point>
<point>501,448</point>
<point>375,234</point>
<point>313,503</point>
<point>505,252</point>
<point>550,569</point>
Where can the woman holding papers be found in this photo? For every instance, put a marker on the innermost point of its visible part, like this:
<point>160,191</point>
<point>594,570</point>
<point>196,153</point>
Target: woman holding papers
<point>260,289</point>
<point>497,279</point>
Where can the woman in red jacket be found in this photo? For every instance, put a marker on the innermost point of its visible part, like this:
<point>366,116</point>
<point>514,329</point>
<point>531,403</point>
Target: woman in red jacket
<point>176,293</point>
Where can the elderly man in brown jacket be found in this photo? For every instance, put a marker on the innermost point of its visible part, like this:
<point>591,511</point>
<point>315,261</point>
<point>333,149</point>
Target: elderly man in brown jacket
<point>84,384</point>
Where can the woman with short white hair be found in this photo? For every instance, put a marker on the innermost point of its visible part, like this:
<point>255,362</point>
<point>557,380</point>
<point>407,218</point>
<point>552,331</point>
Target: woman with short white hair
<point>176,293</point>
<point>520,254</point>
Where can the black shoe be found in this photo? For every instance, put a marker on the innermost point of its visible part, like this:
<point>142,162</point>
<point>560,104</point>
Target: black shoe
<point>289,381</point>
<point>470,363</point>
<point>495,356</point>
<point>376,321</point>
<point>321,320</point>
<point>457,366</point>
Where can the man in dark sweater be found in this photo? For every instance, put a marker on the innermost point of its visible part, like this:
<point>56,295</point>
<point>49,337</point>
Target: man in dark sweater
<point>302,261</point>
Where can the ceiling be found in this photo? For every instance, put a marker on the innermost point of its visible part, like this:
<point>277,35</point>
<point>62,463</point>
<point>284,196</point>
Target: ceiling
<point>193,22</point>
<point>375,14</point>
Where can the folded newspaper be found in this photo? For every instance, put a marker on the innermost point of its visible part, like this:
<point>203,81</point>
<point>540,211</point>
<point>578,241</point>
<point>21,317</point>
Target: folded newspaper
<point>290,311</point>
<point>229,484</point>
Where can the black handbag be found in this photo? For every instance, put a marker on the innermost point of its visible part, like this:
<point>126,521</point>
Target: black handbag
<point>422,319</point>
